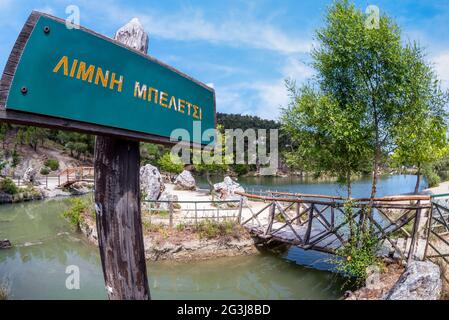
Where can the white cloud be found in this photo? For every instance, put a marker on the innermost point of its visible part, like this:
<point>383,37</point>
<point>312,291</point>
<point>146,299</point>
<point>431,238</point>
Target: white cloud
<point>441,62</point>
<point>268,96</point>
<point>274,95</point>
<point>192,25</point>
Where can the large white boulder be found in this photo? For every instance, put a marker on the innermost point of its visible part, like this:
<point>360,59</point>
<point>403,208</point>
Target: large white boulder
<point>151,182</point>
<point>227,189</point>
<point>420,281</point>
<point>185,181</point>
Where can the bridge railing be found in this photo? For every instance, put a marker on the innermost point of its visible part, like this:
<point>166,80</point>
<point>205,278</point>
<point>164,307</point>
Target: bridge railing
<point>327,223</point>
<point>75,174</point>
<point>437,249</point>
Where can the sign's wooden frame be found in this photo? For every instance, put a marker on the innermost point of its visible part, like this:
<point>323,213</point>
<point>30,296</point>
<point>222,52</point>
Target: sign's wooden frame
<point>26,118</point>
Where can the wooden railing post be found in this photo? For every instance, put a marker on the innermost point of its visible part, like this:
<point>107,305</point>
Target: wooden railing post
<point>309,225</point>
<point>240,210</point>
<point>170,213</point>
<point>196,216</point>
<point>415,234</point>
<point>298,213</point>
<point>271,214</point>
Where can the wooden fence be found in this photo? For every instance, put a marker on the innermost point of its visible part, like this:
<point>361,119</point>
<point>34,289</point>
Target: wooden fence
<point>173,213</point>
<point>326,223</point>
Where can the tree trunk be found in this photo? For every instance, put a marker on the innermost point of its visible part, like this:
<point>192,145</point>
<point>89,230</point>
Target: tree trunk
<point>418,179</point>
<point>117,202</point>
<point>375,173</point>
<point>119,225</point>
<point>348,184</point>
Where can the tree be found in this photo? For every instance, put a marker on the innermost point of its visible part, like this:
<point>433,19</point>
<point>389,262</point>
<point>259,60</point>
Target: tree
<point>421,135</point>
<point>168,165</point>
<point>329,137</point>
<point>34,135</point>
<point>366,70</point>
<point>220,164</point>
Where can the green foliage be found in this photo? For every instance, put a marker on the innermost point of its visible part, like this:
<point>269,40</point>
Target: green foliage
<point>8,186</point>
<point>151,153</point>
<point>148,226</point>
<point>34,135</point>
<point>53,164</point>
<point>78,206</point>
<point>241,169</point>
<point>370,95</point>
<point>169,163</point>
<point>44,171</point>
<point>359,253</point>
<point>78,144</point>
<point>432,177</point>
<point>210,229</point>
<point>15,158</point>
<point>181,227</point>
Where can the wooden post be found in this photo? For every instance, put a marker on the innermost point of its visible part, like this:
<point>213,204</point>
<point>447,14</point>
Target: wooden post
<point>196,216</point>
<point>117,202</point>
<point>309,225</point>
<point>170,213</point>
<point>240,210</point>
<point>298,213</point>
<point>415,235</point>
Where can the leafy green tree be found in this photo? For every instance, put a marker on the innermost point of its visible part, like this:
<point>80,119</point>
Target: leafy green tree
<point>221,160</point>
<point>151,153</point>
<point>34,135</point>
<point>330,139</point>
<point>168,165</point>
<point>421,134</point>
<point>364,84</point>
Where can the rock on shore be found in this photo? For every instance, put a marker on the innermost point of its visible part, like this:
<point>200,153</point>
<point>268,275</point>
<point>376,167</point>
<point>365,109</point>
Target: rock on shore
<point>420,281</point>
<point>151,182</point>
<point>185,181</point>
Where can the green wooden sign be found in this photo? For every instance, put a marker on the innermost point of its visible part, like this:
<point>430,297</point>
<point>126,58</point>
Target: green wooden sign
<point>77,79</point>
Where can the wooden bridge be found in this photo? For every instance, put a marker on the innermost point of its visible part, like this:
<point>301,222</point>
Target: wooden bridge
<point>72,175</point>
<point>326,223</point>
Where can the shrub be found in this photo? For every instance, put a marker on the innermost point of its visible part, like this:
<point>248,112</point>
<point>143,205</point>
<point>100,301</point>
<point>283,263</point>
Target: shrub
<point>166,164</point>
<point>78,206</point>
<point>181,227</point>
<point>53,164</point>
<point>15,158</point>
<point>359,252</point>
<point>45,171</point>
<point>210,229</point>
<point>8,186</point>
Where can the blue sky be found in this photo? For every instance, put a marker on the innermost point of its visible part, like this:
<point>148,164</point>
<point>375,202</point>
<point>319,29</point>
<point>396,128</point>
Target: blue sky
<point>245,49</point>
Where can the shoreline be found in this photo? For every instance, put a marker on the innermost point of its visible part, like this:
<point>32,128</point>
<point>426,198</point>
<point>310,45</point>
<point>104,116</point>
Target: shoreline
<point>181,246</point>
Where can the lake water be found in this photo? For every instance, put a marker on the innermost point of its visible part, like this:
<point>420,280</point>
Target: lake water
<point>45,244</point>
<point>361,188</point>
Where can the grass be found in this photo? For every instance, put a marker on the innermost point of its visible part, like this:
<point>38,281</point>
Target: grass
<point>53,164</point>
<point>209,229</point>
